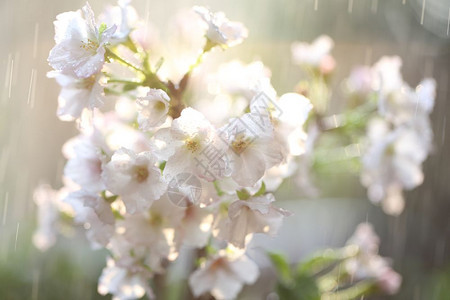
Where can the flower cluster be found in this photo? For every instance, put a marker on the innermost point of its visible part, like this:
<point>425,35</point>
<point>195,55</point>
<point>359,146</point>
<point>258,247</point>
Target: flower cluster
<point>153,175</point>
<point>367,264</point>
<point>174,157</point>
<point>399,136</point>
<point>395,116</point>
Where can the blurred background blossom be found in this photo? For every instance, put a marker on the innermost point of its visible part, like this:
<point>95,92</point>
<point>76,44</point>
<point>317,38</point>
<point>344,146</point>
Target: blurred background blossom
<point>31,135</point>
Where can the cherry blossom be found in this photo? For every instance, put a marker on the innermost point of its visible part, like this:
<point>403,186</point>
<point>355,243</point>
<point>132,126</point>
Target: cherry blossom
<point>186,144</point>
<point>95,214</point>
<point>124,16</point>
<point>315,54</point>
<point>220,30</point>
<point>77,94</point>
<point>123,283</point>
<point>251,147</point>
<point>79,49</point>
<point>254,215</point>
<point>152,109</point>
<point>367,264</point>
<point>223,275</point>
<point>135,178</point>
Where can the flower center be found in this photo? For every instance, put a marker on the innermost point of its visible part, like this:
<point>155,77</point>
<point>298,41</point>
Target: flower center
<point>160,106</point>
<point>240,143</point>
<point>140,173</point>
<point>90,45</point>
<point>218,263</point>
<point>192,144</point>
<point>86,83</point>
<point>390,150</point>
<point>156,219</point>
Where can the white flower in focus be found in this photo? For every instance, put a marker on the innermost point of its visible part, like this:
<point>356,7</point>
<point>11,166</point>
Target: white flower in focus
<point>124,284</point>
<point>316,54</point>
<point>223,276</point>
<point>77,94</point>
<point>221,31</point>
<point>254,215</point>
<point>135,178</point>
<point>152,109</point>
<point>251,147</point>
<point>191,145</point>
<point>124,16</point>
<point>79,49</point>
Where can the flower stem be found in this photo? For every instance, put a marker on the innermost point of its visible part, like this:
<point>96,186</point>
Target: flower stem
<point>124,81</point>
<point>116,57</point>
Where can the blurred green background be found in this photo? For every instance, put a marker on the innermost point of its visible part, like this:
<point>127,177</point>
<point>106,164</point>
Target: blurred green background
<point>364,30</point>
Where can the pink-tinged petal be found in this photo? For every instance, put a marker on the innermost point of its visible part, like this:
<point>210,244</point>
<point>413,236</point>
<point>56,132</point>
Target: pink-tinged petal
<point>249,167</point>
<point>245,269</point>
<point>201,281</point>
<point>226,286</point>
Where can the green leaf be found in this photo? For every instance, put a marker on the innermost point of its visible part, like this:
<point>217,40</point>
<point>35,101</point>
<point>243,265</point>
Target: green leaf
<point>319,262</point>
<point>162,166</point>
<point>109,199</point>
<point>261,190</point>
<point>117,214</point>
<point>243,194</point>
<point>282,267</point>
<point>356,291</point>
<point>303,287</point>
<point>101,29</point>
<point>218,189</point>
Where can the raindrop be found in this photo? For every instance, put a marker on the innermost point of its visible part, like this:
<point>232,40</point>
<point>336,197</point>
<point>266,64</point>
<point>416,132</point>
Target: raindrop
<point>32,88</point>
<point>17,235</point>
<point>36,36</point>
<point>374,7</point>
<point>11,70</point>
<point>5,208</point>
<point>448,22</point>
<point>423,12</point>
